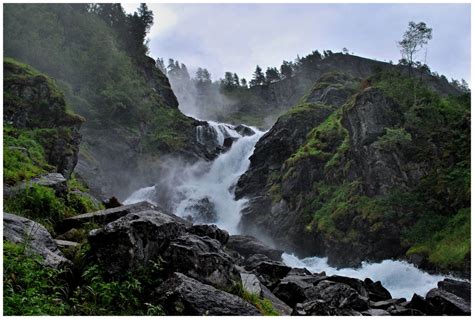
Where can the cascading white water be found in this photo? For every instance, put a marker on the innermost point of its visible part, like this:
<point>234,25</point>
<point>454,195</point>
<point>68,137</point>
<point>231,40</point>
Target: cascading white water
<point>399,277</point>
<point>215,184</point>
<point>218,183</point>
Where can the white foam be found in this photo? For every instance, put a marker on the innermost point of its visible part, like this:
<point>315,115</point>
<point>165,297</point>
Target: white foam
<point>401,278</point>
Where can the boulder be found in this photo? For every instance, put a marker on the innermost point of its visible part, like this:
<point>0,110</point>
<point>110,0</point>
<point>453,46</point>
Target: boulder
<point>182,295</point>
<point>244,130</point>
<point>459,288</point>
<point>133,240</point>
<point>320,307</point>
<point>377,292</point>
<point>201,258</point>
<point>35,237</point>
<point>295,289</point>
<point>385,304</point>
<point>54,180</point>
<point>66,243</point>
<point>338,295</point>
<point>211,231</point>
<point>105,216</point>
<point>249,245</point>
<point>397,310</point>
<point>354,283</point>
<point>271,272</point>
<point>444,302</point>
<point>251,283</point>
<point>375,312</point>
<point>419,303</point>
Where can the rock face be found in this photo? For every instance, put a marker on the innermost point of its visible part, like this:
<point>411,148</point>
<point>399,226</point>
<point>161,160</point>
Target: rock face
<point>133,240</point>
<point>334,147</point>
<point>182,295</point>
<point>36,238</point>
<point>34,102</point>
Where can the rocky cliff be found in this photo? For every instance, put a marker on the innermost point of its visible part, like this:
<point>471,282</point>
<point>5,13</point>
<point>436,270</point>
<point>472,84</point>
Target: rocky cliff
<point>349,173</point>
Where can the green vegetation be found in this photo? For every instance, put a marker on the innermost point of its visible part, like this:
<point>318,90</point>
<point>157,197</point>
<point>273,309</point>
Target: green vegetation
<point>432,217</point>
<point>263,305</point>
<point>28,287</point>
<point>97,55</point>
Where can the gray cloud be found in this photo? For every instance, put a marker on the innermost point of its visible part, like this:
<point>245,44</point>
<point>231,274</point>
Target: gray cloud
<point>236,37</point>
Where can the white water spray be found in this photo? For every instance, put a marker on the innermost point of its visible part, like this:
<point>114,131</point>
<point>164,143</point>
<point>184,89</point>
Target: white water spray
<point>401,278</point>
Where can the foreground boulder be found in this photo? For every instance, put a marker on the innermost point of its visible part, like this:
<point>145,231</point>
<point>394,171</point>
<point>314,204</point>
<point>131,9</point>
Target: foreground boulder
<point>201,258</point>
<point>212,231</point>
<point>249,245</point>
<point>55,181</point>
<point>444,302</point>
<point>35,237</point>
<point>105,216</point>
<point>181,295</point>
<point>133,240</point>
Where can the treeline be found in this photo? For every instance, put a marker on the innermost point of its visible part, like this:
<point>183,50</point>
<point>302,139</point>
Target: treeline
<point>299,67</point>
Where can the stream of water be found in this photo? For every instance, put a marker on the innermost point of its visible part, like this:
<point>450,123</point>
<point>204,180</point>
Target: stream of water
<point>215,187</point>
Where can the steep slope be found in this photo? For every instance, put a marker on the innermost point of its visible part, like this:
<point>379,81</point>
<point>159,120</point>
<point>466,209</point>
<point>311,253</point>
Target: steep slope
<point>380,174</point>
<point>132,116</point>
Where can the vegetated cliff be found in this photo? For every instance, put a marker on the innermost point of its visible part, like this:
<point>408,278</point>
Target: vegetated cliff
<point>261,105</point>
<point>366,170</point>
<point>132,116</point>
<point>40,148</point>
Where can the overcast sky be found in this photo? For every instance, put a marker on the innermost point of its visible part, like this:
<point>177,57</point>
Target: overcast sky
<point>237,37</point>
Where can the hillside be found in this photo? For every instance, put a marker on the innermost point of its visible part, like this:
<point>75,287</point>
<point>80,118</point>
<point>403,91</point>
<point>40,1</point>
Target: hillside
<point>366,170</point>
<point>132,116</point>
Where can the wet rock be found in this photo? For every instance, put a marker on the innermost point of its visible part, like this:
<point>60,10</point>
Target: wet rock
<point>133,240</point>
<point>182,295</point>
<point>377,292</point>
<point>244,130</point>
<point>203,211</point>
<point>228,141</point>
<point>444,302</point>
<point>354,283</point>
<point>459,288</point>
<point>35,237</point>
<point>249,245</point>
<point>419,303</point>
<point>211,231</point>
<point>201,258</point>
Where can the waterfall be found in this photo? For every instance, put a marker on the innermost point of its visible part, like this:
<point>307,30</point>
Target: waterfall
<point>204,193</point>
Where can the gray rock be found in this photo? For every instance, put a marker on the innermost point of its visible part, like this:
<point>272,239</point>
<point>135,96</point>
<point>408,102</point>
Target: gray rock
<point>385,304</point>
<point>377,292</point>
<point>249,245</point>
<point>295,289</point>
<point>65,243</point>
<point>181,295</point>
<point>35,237</point>
<point>133,240</point>
<point>444,302</point>
<point>338,295</point>
<point>375,312</point>
<point>253,285</point>
<point>202,211</point>
<point>459,288</point>
<point>271,272</point>
<point>201,258</point>
<point>244,130</point>
<point>54,180</point>
<point>105,216</point>
<point>212,231</point>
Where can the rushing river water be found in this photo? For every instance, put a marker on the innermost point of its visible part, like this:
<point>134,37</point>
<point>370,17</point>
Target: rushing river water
<point>217,185</point>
